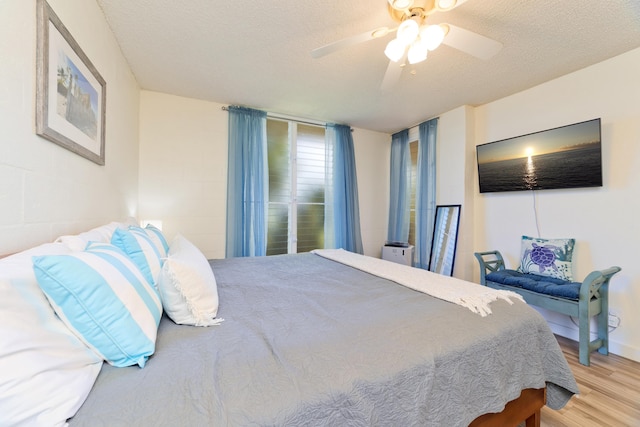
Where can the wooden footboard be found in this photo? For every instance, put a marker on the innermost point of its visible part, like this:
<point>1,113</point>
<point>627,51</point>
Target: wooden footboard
<point>524,408</point>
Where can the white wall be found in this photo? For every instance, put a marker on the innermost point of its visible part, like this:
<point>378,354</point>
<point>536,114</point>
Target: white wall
<point>373,152</point>
<point>183,172</point>
<point>46,190</point>
<point>179,167</point>
<point>454,165</point>
<point>183,168</point>
<point>604,221</point>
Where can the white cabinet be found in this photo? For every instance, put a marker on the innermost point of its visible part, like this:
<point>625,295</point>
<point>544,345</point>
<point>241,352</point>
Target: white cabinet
<point>401,255</point>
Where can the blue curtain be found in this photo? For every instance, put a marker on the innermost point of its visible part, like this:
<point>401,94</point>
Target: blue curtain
<point>425,192</point>
<point>247,183</point>
<point>400,186</point>
<point>342,214</point>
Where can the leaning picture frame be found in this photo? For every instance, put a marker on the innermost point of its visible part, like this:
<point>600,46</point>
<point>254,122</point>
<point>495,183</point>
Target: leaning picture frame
<point>70,93</point>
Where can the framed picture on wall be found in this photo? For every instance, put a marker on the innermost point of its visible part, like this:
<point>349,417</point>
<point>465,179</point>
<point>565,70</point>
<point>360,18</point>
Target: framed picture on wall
<point>70,93</point>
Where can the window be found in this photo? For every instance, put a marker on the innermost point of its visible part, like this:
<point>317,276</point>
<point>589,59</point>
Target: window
<point>296,155</point>
<point>413,149</point>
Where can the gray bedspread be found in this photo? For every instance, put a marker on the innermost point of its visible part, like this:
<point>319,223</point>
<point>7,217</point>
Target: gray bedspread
<point>308,341</point>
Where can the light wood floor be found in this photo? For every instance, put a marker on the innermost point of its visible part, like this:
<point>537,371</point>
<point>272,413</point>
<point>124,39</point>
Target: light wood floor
<point>609,392</point>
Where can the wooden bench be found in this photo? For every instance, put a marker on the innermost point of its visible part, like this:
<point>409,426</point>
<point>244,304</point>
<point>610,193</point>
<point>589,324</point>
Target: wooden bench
<point>591,298</point>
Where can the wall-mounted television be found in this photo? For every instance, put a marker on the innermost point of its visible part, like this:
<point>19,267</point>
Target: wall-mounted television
<point>564,157</point>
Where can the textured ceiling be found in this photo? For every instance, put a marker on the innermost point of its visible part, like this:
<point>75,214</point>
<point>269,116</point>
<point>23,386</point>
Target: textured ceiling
<point>256,53</point>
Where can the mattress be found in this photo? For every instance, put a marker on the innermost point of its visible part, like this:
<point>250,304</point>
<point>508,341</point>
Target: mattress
<point>309,341</point>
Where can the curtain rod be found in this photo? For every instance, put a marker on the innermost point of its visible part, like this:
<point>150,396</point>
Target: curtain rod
<point>293,119</point>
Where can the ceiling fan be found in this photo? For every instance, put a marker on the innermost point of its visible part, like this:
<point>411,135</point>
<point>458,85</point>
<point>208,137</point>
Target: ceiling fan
<point>415,38</point>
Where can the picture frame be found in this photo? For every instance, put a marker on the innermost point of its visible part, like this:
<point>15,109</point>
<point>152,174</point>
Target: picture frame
<point>445,238</point>
<point>70,92</point>
<point>564,157</point>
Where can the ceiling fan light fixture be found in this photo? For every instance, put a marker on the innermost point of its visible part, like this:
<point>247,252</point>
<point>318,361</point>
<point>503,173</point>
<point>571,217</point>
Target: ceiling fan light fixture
<point>417,52</point>
<point>394,50</point>
<point>380,32</point>
<point>432,36</point>
<point>408,31</point>
<point>444,5</point>
<point>401,4</point>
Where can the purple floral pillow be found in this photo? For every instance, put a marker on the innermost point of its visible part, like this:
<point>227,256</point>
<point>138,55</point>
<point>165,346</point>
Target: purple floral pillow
<point>547,257</point>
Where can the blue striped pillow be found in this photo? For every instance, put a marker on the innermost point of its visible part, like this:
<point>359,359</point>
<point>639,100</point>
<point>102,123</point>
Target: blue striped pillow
<point>140,247</point>
<point>156,234</point>
<point>103,297</point>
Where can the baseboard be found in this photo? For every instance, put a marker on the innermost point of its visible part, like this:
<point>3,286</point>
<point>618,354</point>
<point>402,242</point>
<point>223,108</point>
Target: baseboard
<point>571,331</point>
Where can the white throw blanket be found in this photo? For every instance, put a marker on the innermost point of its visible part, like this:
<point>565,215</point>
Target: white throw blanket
<point>466,294</point>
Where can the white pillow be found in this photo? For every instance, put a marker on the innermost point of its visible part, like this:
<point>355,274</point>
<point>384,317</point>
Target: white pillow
<point>136,243</point>
<point>80,241</point>
<point>46,372</point>
<point>105,299</point>
<point>188,286</point>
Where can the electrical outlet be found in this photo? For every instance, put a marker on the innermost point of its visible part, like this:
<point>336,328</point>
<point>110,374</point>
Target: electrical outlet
<point>614,321</point>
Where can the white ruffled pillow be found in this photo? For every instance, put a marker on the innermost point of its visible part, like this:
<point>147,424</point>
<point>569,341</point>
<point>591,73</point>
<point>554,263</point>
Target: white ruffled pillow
<point>46,372</point>
<point>188,286</point>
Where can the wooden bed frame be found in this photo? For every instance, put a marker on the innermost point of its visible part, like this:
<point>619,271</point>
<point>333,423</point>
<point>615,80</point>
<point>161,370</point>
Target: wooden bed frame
<point>525,408</point>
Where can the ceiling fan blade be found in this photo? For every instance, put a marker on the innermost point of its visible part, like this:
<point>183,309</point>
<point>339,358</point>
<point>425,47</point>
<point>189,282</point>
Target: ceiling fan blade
<point>349,41</point>
<point>472,43</point>
<point>392,75</point>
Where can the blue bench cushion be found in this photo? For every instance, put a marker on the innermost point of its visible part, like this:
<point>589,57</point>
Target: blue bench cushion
<point>540,284</point>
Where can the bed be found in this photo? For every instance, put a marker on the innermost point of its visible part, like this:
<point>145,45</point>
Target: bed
<point>307,340</point>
